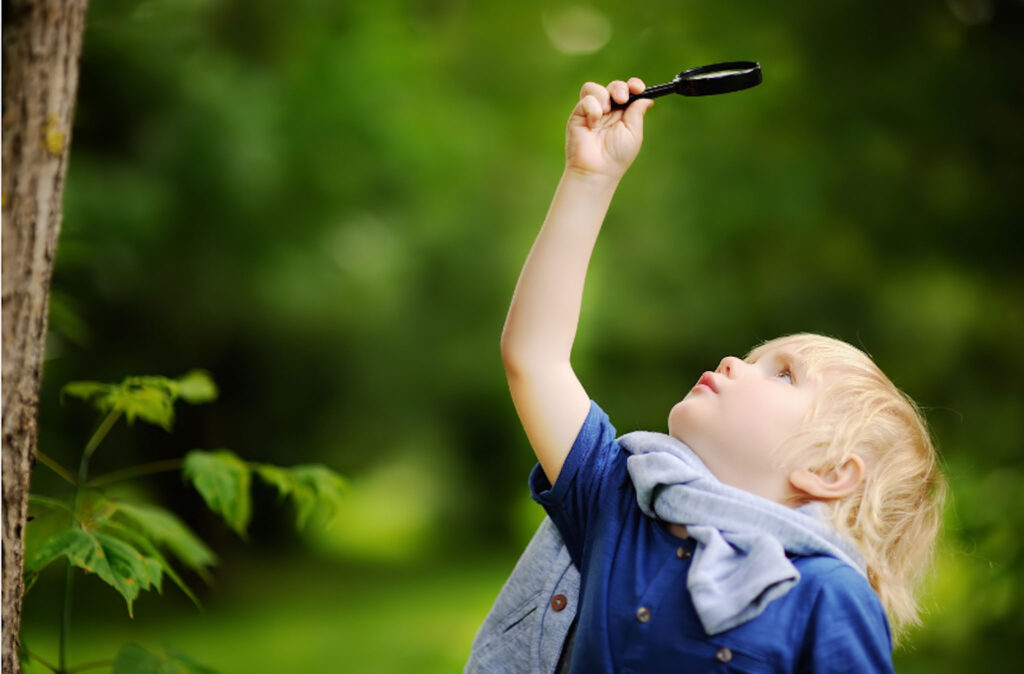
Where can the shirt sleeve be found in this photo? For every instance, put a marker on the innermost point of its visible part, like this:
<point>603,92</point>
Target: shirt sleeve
<point>593,468</point>
<point>848,630</point>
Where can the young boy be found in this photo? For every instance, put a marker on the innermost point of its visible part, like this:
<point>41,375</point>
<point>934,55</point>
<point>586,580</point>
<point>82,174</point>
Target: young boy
<point>780,526</point>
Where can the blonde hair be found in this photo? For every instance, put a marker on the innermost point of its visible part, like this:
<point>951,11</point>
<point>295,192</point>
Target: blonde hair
<point>894,514</point>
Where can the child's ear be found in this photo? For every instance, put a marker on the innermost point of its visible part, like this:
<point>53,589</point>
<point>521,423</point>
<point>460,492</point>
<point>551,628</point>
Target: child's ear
<point>834,484</point>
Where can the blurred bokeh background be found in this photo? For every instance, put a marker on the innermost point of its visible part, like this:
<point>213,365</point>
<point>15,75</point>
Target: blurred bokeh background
<point>326,205</point>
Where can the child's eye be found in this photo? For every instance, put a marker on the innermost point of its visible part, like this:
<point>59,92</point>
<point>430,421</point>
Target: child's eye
<point>786,374</point>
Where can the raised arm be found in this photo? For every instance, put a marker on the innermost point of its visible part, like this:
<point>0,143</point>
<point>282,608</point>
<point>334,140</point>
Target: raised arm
<point>541,325</point>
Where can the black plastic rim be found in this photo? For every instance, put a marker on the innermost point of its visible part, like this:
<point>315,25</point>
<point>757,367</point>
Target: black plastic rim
<point>687,85</point>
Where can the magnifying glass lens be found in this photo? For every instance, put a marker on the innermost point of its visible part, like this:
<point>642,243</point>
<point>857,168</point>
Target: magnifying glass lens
<point>718,73</point>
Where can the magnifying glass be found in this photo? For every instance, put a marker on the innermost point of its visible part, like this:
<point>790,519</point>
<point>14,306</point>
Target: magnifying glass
<point>717,78</point>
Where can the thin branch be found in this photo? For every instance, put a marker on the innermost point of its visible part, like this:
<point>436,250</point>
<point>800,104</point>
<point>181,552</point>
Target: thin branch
<point>65,622</point>
<point>40,660</point>
<point>83,472</point>
<point>96,664</point>
<point>90,447</point>
<point>36,499</point>
<point>137,471</point>
<point>55,467</point>
<point>97,437</point>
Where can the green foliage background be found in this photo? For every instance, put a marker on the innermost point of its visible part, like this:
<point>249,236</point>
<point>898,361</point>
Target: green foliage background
<point>326,204</point>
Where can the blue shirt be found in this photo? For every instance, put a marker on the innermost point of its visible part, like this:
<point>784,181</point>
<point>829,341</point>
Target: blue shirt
<point>635,613</point>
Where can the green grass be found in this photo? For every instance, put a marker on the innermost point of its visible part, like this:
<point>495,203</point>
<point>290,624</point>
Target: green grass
<point>327,619</point>
<point>320,616</point>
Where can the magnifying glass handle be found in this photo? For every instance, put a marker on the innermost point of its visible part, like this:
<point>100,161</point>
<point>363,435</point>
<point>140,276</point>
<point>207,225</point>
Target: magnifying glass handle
<point>650,92</point>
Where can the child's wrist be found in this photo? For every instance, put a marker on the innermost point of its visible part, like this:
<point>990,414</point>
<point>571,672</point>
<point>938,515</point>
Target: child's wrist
<point>591,179</point>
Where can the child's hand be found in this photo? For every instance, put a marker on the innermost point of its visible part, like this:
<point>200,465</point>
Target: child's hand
<point>603,141</point>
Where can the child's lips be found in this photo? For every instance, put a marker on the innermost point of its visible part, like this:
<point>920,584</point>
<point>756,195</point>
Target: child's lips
<point>707,380</point>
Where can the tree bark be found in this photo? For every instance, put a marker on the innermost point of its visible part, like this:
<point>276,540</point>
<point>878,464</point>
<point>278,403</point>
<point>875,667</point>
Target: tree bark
<point>42,42</point>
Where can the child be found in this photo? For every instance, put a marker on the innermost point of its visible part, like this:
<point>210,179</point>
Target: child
<point>780,525</point>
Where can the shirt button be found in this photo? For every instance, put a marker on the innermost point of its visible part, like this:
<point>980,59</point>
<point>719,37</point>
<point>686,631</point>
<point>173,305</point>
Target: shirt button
<point>558,602</point>
<point>643,614</point>
<point>723,655</point>
<point>683,553</point>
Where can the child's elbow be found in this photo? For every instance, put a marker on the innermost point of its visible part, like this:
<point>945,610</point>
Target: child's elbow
<point>517,356</point>
<point>511,355</point>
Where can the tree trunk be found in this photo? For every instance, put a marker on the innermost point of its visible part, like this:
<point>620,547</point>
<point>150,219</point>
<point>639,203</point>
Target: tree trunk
<point>42,42</point>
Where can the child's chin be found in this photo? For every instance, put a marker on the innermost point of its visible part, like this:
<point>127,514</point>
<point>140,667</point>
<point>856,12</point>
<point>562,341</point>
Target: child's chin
<point>678,418</point>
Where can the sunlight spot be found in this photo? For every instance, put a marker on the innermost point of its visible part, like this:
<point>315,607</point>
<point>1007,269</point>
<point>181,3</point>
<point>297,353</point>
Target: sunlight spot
<point>577,29</point>
<point>366,247</point>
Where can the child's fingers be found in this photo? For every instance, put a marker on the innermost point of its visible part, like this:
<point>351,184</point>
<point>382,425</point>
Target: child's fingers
<point>636,85</point>
<point>598,92</point>
<point>633,118</point>
<point>590,109</point>
<point>619,91</point>
<point>595,101</point>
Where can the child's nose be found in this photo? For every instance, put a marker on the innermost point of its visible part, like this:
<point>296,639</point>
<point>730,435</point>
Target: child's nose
<point>730,366</point>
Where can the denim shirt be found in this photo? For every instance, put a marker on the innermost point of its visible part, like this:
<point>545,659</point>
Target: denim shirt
<point>529,622</point>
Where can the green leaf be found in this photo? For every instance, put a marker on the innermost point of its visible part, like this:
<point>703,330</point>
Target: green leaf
<point>147,546</point>
<point>86,390</point>
<point>134,659</point>
<point>276,476</point>
<point>128,567</point>
<point>309,486</point>
<point>115,562</point>
<point>223,480</point>
<point>154,571</point>
<point>324,486</point>
<point>165,529</point>
<point>150,398</point>
<point>197,387</point>
<point>67,542</point>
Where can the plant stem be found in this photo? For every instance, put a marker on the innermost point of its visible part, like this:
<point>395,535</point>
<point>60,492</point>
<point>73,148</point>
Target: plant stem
<point>137,471</point>
<point>65,623</point>
<point>83,472</point>
<point>94,442</point>
<point>96,664</point>
<point>38,499</point>
<point>38,659</point>
<point>90,448</point>
<point>55,467</point>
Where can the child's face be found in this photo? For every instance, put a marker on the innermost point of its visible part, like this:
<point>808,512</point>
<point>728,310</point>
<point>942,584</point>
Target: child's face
<point>737,416</point>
